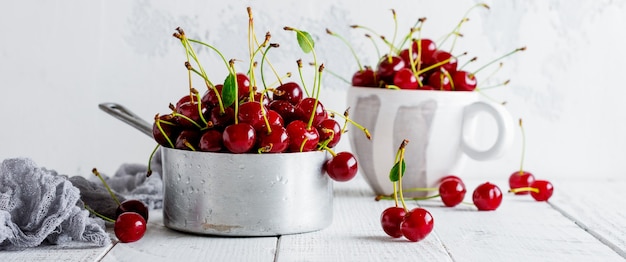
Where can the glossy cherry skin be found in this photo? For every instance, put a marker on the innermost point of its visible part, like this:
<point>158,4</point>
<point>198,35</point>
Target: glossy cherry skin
<point>168,129</point>
<point>426,46</point>
<point>545,190</point>
<point>276,141</point>
<point>185,99</point>
<point>301,138</point>
<point>487,197</point>
<point>210,97</point>
<point>365,78</point>
<point>132,205</point>
<point>330,130</point>
<point>250,112</point>
<point>521,179</point>
<point>191,111</point>
<point>129,227</point>
<point>464,81</point>
<point>290,92</point>
<point>285,109</point>
<point>387,68</point>
<point>342,167</point>
<point>405,79</point>
<point>273,117</point>
<point>221,120</point>
<point>452,192</point>
<point>439,80</point>
<point>304,111</point>
<point>211,141</point>
<point>243,85</point>
<point>188,139</point>
<point>390,219</point>
<point>450,62</point>
<point>453,177</point>
<point>239,138</point>
<point>417,224</point>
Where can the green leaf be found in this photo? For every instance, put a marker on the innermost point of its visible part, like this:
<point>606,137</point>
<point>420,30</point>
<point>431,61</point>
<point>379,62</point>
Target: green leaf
<point>394,174</point>
<point>305,41</point>
<point>229,91</point>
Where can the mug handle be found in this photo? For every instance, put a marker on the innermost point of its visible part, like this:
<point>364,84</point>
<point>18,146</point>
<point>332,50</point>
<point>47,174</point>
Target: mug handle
<point>504,123</point>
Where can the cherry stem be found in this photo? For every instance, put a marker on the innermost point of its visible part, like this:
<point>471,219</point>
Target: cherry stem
<point>395,29</point>
<point>252,78</point>
<point>328,149</point>
<point>306,90</point>
<point>263,62</point>
<point>99,215</point>
<point>316,103</point>
<point>521,167</point>
<point>374,44</point>
<point>463,20</point>
<point>158,122</point>
<point>524,189</point>
<point>384,197</point>
<point>390,45</point>
<point>421,189</point>
<point>95,172</point>
<point>347,118</point>
<point>349,47</point>
<point>149,171</point>
<point>413,29</point>
<point>501,57</point>
<point>199,99</point>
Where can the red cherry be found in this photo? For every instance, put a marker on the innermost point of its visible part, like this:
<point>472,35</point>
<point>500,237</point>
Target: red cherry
<point>439,80</point>
<point>521,179</point>
<point>185,99</point>
<point>387,68</point>
<point>405,79</point>
<point>211,141</point>
<point>187,139</point>
<point>132,205</point>
<point>441,56</point>
<point>330,130</point>
<point>427,46</point>
<point>463,81</point>
<point>302,139</point>
<point>239,138</point>
<point>250,112</point>
<point>342,167</point>
<point>487,196</point>
<point>452,192</point>
<point>243,85</point>
<point>304,110</point>
<point>544,190</point>
<point>274,118</point>
<point>221,120</point>
<point>210,97</point>
<point>417,224</point>
<point>170,130</point>
<point>275,142</point>
<point>190,110</point>
<point>290,92</point>
<point>390,219</point>
<point>129,227</point>
<point>366,78</point>
<point>285,109</point>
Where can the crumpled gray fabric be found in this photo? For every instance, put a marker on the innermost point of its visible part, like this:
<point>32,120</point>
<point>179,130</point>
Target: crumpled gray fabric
<point>38,206</point>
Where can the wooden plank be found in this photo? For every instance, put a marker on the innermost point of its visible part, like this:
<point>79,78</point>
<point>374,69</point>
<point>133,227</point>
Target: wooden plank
<point>163,244</point>
<point>55,253</point>
<point>521,229</point>
<point>356,234</point>
<point>597,205</point>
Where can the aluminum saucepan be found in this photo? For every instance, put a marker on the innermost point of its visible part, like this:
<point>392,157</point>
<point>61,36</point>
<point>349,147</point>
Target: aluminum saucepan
<point>240,194</point>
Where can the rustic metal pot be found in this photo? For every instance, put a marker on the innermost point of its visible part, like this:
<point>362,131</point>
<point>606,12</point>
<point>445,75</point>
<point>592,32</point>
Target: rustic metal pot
<point>240,194</point>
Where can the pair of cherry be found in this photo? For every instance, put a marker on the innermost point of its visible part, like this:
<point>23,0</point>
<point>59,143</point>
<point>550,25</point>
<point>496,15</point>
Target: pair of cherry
<point>131,216</point>
<point>486,196</point>
<point>523,183</point>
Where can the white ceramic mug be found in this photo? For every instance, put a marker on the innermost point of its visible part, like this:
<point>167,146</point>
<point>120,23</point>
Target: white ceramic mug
<point>440,127</point>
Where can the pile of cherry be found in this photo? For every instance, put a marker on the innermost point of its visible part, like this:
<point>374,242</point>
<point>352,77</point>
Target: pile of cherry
<point>279,124</point>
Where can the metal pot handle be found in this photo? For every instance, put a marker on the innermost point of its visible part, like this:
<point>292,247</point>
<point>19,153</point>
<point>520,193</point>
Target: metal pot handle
<point>120,112</point>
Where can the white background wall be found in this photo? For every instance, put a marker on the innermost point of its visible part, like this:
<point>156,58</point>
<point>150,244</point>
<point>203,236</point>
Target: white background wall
<point>59,59</point>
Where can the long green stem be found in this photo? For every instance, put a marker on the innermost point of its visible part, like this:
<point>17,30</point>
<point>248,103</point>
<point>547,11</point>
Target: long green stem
<point>95,172</point>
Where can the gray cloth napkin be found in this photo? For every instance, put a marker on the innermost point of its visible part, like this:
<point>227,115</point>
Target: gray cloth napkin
<point>38,206</point>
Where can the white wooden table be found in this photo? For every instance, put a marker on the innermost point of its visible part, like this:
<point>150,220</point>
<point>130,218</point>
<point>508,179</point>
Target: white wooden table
<point>584,221</point>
